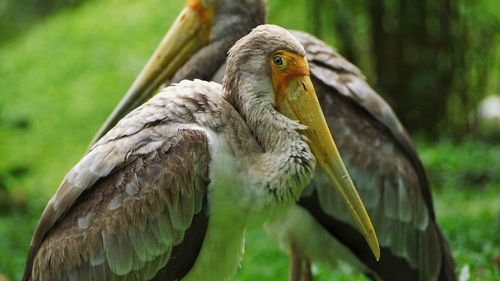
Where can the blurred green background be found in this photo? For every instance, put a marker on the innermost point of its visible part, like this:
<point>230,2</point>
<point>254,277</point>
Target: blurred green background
<point>64,64</point>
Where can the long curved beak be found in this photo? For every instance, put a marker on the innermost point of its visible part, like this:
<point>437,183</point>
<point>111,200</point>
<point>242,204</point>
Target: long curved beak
<point>188,34</point>
<point>298,101</point>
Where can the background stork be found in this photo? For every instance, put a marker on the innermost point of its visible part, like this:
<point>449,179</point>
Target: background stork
<point>168,192</point>
<point>377,150</point>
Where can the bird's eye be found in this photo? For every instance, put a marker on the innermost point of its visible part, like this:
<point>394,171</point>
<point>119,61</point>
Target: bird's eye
<point>278,60</point>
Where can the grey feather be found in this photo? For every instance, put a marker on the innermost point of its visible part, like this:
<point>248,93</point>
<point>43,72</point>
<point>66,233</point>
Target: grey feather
<point>118,253</point>
<point>381,159</point>
<point>122,182</point>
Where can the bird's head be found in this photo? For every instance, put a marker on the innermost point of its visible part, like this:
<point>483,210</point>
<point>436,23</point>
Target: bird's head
<point>269,54</point>
<point>203,29</point>
<point>268,66</point>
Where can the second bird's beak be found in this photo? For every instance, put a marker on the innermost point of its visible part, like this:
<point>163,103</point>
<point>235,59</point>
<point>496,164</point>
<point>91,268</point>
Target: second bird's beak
<point>189,33</point>
<point>296,99</point>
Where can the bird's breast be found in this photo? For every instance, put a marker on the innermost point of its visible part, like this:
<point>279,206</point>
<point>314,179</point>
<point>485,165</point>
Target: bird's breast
<point>222,248</point>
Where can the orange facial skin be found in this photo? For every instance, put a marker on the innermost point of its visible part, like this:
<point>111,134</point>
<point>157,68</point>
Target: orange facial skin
<point>205,14</point>
<point>294,65</point>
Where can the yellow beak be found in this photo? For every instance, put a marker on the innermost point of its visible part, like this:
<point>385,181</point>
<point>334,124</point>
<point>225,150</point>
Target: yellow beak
<point>297,100</point>
<point>190,32</point>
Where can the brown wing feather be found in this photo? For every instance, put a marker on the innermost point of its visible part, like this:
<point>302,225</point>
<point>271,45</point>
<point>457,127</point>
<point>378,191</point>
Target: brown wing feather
<point>385,167</point>
<point>128,223</point>
<point>125,209</point>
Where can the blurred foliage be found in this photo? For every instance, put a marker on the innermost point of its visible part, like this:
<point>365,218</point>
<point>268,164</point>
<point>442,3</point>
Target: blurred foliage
<point>432,60</point>
<point>474,168</point>
<point>17,16</point>
<point>63,75</point>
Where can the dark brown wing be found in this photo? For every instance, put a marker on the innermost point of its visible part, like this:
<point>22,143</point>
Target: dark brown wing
<point>386,169</point>
<point>134,206</point>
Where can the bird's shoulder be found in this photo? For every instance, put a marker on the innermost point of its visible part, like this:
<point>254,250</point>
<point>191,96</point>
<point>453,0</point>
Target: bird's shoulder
<point>149,174</point>
<point>186,102</point>
<point>332,69</point>
<point>338,74</point>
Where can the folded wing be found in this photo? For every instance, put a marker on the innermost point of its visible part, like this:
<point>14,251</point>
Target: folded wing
<point>385,167</point>
<point>135,206</point>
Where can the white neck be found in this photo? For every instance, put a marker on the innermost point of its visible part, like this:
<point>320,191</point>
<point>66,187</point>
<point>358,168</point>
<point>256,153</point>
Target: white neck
<point>286,165</point>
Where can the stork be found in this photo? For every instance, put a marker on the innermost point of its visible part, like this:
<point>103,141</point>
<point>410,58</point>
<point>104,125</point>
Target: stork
<point>168,192</point>
<point>376,148</point>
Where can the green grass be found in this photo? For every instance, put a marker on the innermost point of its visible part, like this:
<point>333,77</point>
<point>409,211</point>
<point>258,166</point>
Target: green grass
<point>60,80</point>
<point>466,183</point>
